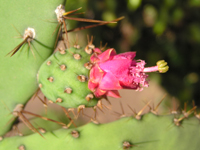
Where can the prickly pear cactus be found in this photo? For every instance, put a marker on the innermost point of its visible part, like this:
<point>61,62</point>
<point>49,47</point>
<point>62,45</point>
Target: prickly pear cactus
<point>63,78</point>
<point>18,75</point>
<point>151,132</point>
<point>77,77</point>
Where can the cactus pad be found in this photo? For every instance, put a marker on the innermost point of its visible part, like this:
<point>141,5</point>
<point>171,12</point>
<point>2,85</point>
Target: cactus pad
<point>63,78</point>
<point>151,132</point>
<point>18,75</point>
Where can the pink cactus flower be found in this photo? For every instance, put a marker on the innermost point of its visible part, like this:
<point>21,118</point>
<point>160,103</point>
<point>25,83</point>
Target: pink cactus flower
<point>112,72</point>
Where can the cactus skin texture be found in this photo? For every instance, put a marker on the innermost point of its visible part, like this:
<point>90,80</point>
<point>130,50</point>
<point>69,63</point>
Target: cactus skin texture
<point>151,132</point>
<point>63,78</point>
<point>18,75</point>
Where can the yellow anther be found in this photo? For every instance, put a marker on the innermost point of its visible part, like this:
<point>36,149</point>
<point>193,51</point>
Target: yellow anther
<point>162,66</point>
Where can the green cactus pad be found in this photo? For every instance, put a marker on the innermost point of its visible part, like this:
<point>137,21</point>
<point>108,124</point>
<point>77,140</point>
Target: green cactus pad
<point>151,132</point>
<point>63,78</point>
<point>18,73</point>
<point>48,125</point>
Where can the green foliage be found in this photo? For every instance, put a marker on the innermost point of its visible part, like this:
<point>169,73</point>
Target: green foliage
<point>152,132</point>
<point>63,78</point>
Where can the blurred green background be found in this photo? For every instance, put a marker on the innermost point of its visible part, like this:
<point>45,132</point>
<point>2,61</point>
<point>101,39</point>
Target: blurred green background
<point>156,29</point>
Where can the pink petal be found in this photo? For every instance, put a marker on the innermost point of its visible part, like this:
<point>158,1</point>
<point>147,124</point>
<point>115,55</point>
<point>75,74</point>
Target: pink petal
<point>116,67</point>
<point>127,82</point>
<point>127,55</point>
<point>99,92</point>
<point>109,82</point>
<point>94,58</point>
<point>108,54</point>
<point>92,85</point>
<point>97,50</point>
<point>96,73</point>
<point>113,93</point>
